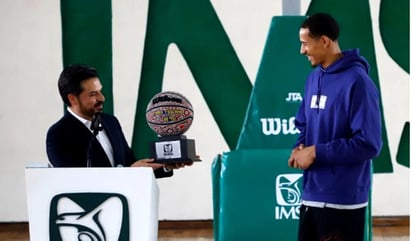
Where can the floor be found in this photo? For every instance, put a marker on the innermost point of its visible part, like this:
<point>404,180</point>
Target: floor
<point>203,231</point>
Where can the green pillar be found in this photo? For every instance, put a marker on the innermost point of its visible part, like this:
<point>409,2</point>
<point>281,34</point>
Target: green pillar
<point>87,39</point>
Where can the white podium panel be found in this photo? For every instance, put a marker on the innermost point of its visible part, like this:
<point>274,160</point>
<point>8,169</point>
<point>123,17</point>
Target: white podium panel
<point>108,204</point>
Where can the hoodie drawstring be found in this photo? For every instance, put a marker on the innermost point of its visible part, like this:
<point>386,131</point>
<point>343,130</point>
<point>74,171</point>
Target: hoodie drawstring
<point>318,94</point>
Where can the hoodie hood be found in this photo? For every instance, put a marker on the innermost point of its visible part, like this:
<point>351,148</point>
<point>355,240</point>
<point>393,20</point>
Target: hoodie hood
<point>350,58</point>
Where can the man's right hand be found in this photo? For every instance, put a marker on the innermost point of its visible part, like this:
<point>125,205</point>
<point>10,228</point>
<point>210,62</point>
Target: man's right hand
<point>292,162</point>
<point>147,162</point>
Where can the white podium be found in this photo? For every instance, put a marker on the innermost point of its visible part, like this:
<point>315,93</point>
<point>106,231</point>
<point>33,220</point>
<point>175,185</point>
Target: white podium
<point>108,204</point>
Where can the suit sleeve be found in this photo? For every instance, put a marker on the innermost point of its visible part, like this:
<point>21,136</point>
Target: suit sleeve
<point>159,173</point>
<point>63,151</point>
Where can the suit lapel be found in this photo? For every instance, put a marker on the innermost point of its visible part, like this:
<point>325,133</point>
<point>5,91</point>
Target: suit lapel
<point>98,155</point>
<point>111,130</point>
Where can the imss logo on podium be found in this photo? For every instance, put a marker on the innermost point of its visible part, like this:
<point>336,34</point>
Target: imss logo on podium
<point>288,196</point>
<point>89,216</point>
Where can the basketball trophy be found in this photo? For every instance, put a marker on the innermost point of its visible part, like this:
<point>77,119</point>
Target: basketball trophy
<point>169,115</point>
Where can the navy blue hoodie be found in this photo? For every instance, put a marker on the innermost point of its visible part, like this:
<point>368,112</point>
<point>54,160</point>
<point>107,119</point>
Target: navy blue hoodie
<point>340,115</point>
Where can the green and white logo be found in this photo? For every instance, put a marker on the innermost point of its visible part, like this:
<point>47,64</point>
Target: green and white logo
<point>89,216</point>
<point>288,196</point>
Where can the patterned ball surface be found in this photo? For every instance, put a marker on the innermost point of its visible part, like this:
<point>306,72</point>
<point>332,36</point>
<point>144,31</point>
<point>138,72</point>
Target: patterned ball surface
<point>169,113</point>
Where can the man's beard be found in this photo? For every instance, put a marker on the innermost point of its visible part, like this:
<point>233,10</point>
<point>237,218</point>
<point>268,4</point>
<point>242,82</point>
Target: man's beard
<point>90,112</point>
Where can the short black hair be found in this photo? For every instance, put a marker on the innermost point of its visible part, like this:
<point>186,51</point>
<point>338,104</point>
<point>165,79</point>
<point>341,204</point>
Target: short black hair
<point>71,78</point>
<point>322,24</point>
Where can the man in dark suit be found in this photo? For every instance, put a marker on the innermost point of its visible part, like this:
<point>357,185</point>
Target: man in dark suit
<point>86,137</point>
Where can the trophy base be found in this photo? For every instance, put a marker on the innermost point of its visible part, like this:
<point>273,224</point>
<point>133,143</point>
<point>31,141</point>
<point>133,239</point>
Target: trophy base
<point>174,149</point>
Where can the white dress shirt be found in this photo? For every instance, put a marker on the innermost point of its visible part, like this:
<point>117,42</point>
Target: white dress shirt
<point>101,136</point>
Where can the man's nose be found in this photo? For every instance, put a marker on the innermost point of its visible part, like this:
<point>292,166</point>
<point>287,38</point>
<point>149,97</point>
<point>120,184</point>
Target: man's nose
<point>302,50</point>
<point>101,97</point>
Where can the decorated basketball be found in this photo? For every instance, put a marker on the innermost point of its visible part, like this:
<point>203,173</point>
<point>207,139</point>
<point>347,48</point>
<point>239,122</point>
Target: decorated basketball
<point>169,113</point>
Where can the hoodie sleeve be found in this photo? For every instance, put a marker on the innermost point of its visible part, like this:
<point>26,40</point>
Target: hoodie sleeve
<point>364,141</point>
<point>300,124</point>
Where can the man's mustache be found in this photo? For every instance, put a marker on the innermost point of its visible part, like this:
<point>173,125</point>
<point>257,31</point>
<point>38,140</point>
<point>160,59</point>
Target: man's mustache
<point>98,103</point>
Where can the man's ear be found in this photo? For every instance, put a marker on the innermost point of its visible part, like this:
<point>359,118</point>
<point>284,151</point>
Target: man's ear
<point>72,99</point>
<point>325,40</point>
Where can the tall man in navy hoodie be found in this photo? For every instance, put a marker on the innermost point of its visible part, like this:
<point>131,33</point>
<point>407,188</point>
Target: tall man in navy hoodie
<point>340,132</point>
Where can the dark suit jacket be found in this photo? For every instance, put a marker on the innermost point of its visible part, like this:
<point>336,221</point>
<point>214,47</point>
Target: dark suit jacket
<point>68,141</point>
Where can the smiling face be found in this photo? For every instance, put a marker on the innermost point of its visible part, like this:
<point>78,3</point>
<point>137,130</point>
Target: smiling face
<point>314,48</point>
<point>90,100</point>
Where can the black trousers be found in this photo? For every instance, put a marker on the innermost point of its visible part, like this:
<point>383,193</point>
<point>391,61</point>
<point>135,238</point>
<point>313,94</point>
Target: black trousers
<point>329,224</point>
